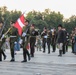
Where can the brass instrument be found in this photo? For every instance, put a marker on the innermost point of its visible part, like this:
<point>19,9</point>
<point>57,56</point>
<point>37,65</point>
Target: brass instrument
<point>5,33</point>
<point>8,30</point>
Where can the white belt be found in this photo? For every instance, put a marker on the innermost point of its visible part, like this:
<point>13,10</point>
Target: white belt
<point>45,36</point>
<point>13,36</point>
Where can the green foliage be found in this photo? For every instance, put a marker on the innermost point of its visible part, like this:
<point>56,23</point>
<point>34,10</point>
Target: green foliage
<point>70,23</point>
<point>47,18</point>
<point>7,16</point>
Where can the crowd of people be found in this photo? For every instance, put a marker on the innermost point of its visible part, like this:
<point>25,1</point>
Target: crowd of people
<point>55,38</point>
<point>58,38</point>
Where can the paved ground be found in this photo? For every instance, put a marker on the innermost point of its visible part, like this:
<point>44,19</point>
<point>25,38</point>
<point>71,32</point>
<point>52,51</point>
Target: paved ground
<point>41,64</point>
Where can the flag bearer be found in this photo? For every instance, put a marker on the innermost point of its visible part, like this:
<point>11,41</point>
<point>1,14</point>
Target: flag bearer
<point>25,41</point>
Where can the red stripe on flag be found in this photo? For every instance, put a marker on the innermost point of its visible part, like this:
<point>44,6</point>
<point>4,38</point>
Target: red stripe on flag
<point>22,18</point>
<point>20,25</point>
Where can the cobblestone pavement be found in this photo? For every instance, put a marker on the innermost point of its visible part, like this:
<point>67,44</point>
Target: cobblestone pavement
<point>41,64</point>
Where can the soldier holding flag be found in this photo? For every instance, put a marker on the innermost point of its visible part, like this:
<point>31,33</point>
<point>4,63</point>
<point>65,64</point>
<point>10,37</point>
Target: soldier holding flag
<point>25,38</point>
<point>16,33</point>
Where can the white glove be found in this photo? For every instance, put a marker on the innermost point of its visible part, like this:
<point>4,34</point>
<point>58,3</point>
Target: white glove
<point>24,34</point>
<point>20,41</point>
<point>15,42</point>
<point>2,36</point>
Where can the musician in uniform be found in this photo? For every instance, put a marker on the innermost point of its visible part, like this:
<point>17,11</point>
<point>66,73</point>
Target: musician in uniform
<point>49,35</point>
<point>2,41</point>
<point>54,34</point>
<point>44,38</point>
<point>13,33</point>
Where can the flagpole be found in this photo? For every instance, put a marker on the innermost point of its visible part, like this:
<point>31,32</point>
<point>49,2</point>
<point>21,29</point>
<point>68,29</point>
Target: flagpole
<point>23,13</point>
<point>29,25</point>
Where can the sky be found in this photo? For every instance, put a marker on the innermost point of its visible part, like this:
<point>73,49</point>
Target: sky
<point>65,7</point>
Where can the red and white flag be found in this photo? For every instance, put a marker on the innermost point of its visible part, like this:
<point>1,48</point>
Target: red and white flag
<point>19,24</point>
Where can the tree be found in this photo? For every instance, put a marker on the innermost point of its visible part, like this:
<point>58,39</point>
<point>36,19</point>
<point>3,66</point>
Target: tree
<point>45,19</point>
<point>7,16</point>
<point>70,23</point>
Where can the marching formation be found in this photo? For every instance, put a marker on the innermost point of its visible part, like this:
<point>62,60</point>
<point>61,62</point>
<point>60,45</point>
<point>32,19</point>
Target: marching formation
<point>59,38</point>
<point>28,36</point>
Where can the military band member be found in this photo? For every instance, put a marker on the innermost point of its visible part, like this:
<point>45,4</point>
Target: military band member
<point>65,40</point>
<point>49,35</point>
<point>13,33</point>
<point>44,38</point>
<point>53,39</point>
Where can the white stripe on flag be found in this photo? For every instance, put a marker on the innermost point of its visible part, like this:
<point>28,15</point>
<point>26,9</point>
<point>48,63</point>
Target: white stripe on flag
<point>20,23</point>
